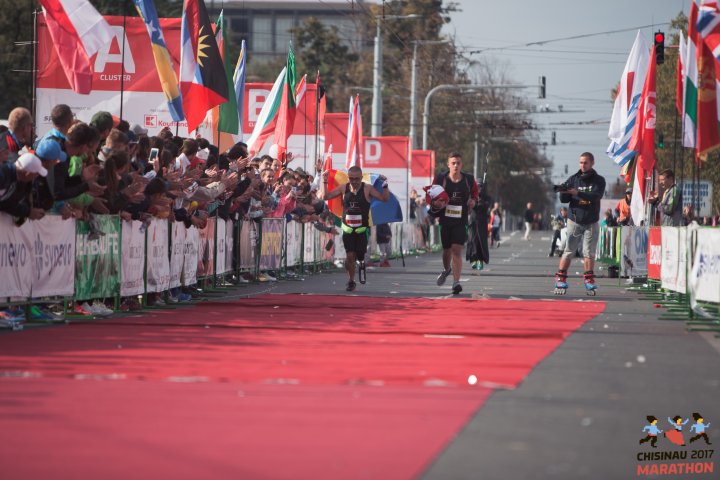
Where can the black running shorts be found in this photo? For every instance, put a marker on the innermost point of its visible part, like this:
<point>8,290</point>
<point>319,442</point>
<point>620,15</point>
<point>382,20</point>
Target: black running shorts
<point>356,242</point>
<point>453,234</point>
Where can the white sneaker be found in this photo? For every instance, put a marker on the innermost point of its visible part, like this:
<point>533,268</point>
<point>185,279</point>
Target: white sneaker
<point>101,309</point>
<point>270,278</point>
<point>88,308</point>
<point>171,299</point>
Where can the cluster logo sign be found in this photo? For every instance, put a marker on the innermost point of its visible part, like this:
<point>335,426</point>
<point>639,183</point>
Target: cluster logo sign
<point>683,460</point>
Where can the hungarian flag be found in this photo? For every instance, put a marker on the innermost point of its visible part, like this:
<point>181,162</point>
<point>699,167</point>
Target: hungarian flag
<point>622,122</point>
<point>229,110</point>
<point>354,136</point>
<point>78,31</point>
<point>203,82</point>
<point>643,142</point>
<point>288,106</point>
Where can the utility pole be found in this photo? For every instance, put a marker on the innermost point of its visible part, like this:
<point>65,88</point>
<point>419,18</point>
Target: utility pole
<point>413,87</point>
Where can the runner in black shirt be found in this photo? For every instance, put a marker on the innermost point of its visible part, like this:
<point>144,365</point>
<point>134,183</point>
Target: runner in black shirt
<point>356,213</point>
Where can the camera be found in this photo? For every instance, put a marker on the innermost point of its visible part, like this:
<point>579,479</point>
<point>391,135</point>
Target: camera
<point>561,188</point>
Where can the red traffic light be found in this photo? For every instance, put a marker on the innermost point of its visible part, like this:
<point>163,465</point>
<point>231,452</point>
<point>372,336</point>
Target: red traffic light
<point>659,37</point>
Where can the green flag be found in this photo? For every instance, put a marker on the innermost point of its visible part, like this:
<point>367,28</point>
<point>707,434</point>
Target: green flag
<point>229,110</point>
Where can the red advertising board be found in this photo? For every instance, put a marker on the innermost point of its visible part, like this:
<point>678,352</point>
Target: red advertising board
<point>654,253</point>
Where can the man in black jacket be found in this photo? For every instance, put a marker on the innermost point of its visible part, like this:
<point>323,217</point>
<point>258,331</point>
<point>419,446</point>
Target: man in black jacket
<point>583,192</point>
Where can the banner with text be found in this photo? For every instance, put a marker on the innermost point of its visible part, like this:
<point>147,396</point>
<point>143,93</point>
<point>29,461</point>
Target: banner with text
<point>634,247</point>
<point>673,270</point>
<point>16,257</point>
<point>389,156</point>
<point>54,262</point>
<point>133,259</point>
<point>97,257</point>
<point>704,279</point>
<point>158,260</point>
<point>655,253</point>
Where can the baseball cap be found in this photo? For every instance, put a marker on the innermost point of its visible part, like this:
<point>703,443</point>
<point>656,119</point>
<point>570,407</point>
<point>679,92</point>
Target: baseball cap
<point>102,121</point>
<point>49,149</point>
<point>138,130</point>
<point>628,190</point>
<point>30,163</point>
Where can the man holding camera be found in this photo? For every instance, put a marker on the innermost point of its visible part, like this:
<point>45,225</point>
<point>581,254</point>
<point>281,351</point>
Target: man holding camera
<point>583,192</point>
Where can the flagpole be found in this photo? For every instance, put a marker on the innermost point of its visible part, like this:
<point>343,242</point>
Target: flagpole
<point>122,60</point>
<point>34,67</point>
<point>675,140</point>
<point>317,120</point>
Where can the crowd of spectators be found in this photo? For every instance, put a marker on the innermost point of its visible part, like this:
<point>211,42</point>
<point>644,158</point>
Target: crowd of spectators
<point>79,170</point>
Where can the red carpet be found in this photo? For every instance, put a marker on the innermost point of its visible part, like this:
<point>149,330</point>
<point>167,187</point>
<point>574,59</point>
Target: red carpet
<point>282,386</point>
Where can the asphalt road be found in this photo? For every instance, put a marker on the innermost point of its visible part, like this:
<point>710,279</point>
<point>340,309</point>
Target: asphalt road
<point>581,412</point>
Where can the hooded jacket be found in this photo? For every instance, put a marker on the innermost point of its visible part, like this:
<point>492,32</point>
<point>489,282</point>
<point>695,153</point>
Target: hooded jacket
<point>584,207</point>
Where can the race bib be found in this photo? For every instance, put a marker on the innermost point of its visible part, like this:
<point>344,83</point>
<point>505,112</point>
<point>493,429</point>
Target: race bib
<point>353,220</point>
<point>453,211</point>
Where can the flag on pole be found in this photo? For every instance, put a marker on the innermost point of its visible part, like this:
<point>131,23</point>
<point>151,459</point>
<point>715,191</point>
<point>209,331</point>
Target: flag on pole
<point>228,121</point>
<point>239,84</point>
<point>708,26</point>
<point>288,107</point>
<point>354,136</point>
<point>322,108</point>
<point>77,31</point>
<point>680,75</point>
<point>643,142</point>
<point>163,61</point>
<point>327,166</point>
<point>691,82</point>
<point>625,109</point>
<point>708,135</point>
<point>203,83</point>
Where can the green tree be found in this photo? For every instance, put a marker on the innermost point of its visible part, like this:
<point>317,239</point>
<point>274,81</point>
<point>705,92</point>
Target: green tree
<point>16,34</point>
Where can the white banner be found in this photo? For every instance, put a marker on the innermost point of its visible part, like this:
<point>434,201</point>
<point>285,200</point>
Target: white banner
<point>229,245</point>
<point>158,261</point>
<point>16,257</point>
<point>673,269</point>
<point>248,243</point>
<point>206,249</point>
<point>704,279</point>
<point>132,259</point>
<point>309,252</point>
<point>177,253</point>
<point>192,238</point>
<point>54,262</point>
<point>292,243</point>
<point>634,249</point>
<point>220,234</point>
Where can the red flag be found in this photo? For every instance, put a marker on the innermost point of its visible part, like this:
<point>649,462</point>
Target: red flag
<point>708,137</point>
<point>680,76</point>
<point>643,138</point>
<point>288,107</point>
<point>78,31</point>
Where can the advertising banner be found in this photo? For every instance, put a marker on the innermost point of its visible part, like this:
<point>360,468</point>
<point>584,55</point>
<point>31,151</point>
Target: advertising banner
<point>158,256</point>
<point>271,245</point>
<point>389,156</point>
<point>220,235</point>
<point>704,279</point>
<point>206,250</point>
<point>634,251</point>
<point>704,200</point>
<point>190,262</point>
<point>336,127</point>
<point>673,269</point>
<point>54,259</point>
<point>133,259</point>
<point>97,257</point>
<point>309,243</point>
<point>248,239</point>
<point>422,169</point>
<point>655,253</point>
<point>177,253</point>
<point>16,257</point>
<point>292,243</point>
<point>229,244</point>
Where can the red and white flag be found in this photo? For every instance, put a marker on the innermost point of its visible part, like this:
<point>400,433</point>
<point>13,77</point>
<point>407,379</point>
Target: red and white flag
<point>643,141</point>
<point>354,136</point>
<point>78,31</point>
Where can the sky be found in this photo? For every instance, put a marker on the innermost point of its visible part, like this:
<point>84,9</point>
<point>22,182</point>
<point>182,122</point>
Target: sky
<point>580,72</point>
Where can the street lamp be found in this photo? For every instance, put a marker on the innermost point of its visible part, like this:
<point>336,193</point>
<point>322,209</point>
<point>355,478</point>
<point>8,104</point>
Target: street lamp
<point>413,85</point>
<point>376,124</point>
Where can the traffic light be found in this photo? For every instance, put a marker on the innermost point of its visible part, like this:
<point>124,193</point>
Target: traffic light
<point>660,140</point>
<point>659,47</point>
<point>541,93</point>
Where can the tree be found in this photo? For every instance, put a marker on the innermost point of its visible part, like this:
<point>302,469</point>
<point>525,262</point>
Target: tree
<point>16,27</point>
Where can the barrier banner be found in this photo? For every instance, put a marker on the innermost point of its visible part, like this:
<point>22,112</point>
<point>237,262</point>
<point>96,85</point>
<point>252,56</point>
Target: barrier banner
<point>158,261</point>
<point>655,253</point>
<point>190,262</point>
<point>389,156</point>
<point>422,169</point>
<point>177,253</point>
<point>54,256</point>
<point>229,244</point>
<point>704,279</point>
<point>634,251</point>
<point>271,245</point>
<point>309,245</point>
<point>97,257</point>
<point>247,243</point>
<point>16,257</point>
<point>673,268</point>
<point>220,235</point>
<point>206,251</point>
<point>292,243</point>
<point>133,259</point>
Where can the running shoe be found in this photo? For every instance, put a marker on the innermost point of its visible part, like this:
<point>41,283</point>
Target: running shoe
<point>443,276</point>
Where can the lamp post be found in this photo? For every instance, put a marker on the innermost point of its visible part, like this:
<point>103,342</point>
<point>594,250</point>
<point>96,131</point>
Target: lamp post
<point>376,123</point>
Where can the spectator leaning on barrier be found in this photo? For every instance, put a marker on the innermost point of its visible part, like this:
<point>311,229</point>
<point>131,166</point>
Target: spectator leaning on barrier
<point>16,181</point>
<point>102,122</point>
<point>670,204</point>
<point>18,135</point>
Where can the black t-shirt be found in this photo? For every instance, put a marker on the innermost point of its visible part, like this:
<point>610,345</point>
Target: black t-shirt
<point>456,211</point>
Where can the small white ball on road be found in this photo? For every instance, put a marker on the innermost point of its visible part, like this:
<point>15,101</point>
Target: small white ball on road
<point>472,379</point>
